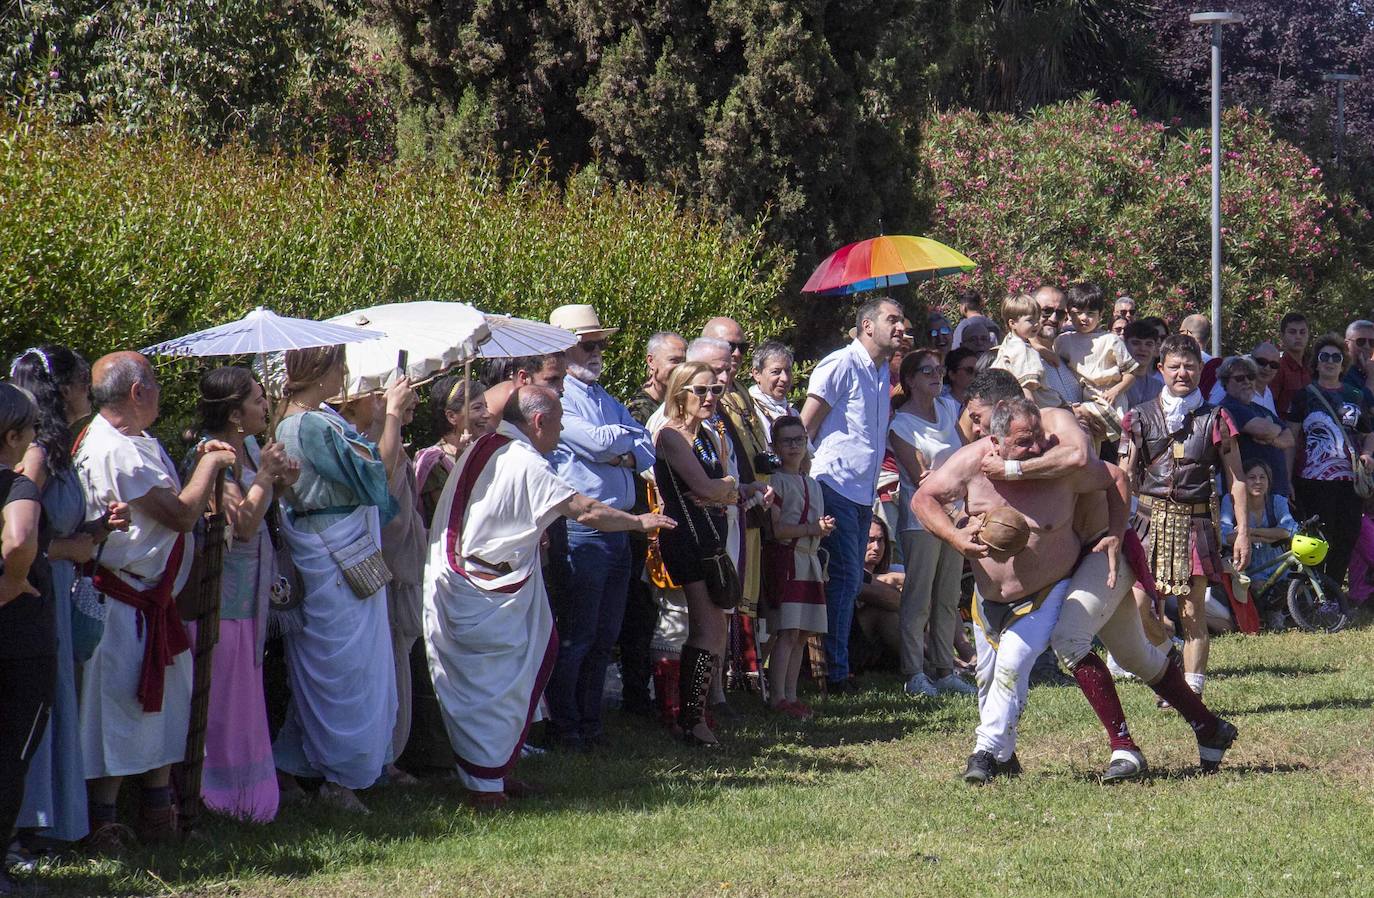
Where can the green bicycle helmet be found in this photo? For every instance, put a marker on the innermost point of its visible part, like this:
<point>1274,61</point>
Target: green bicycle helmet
<point>1310,550</point>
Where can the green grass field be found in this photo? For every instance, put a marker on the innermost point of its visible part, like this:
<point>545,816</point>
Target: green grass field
<point>865,800</point>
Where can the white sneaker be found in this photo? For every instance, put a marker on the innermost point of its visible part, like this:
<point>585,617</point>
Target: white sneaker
<point>920,685</point>
<point>953,683</point>
<point>1118,672</point>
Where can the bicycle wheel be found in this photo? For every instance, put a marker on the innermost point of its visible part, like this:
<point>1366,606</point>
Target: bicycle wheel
<point>1324,612</point>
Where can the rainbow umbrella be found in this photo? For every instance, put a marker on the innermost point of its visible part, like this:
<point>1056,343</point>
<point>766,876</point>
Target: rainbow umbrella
<point>883,262</point>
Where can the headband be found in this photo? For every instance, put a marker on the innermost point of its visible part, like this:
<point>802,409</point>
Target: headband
<point>43,357</point>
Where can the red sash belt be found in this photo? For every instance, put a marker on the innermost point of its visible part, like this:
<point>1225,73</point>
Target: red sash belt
<point>164,636</point>
<point>477,458</point>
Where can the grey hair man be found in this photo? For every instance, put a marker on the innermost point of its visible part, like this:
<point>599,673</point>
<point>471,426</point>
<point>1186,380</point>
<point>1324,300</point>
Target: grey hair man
<point>142,569</point>
<point>600,451</point>
<point>1359,345</point>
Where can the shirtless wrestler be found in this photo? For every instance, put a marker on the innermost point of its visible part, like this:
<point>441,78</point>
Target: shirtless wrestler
<point>1092,607</point>
<point>1018,598</point>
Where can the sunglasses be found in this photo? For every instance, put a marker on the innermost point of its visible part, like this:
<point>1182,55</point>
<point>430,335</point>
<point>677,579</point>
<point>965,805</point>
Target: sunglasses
<point>740,346</point>
<point>1364,342</point>
<point>1267,363</point>
<point>940,331</point>
<point>1046,314</point>
<point>702,390</point>
<point>928,370</point>
<point>594,345</point>
<point>1330,357</point>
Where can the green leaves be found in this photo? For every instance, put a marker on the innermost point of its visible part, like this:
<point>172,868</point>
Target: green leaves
<point>110,241</point>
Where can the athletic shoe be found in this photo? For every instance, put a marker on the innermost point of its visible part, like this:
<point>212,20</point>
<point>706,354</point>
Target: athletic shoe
<point>920,685</point>
<point>981,768</point>
<point>1125,765</point>
<point>1211,751</point>
<point>953,684</point>
<point>1010,767</point>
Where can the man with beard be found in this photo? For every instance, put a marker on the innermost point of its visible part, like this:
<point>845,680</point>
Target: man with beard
<point>846,416</point>
<point>600,451</point>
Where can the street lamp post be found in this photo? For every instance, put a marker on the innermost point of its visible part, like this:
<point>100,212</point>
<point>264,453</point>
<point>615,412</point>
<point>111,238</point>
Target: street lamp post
<point>1340,78</point>
<point>1216,20</point>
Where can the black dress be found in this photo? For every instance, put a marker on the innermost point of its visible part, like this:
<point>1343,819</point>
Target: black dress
<point>683,551</point>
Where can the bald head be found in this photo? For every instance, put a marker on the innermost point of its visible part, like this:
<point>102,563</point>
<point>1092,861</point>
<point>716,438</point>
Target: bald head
<point>1199,327</point>
<point>125,388</point>
<point>729,331</point>
<point>538,413</point>
<point>114,376</point>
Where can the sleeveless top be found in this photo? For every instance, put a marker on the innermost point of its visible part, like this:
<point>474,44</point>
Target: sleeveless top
<point>1178,466</point>
<point>679,507</point>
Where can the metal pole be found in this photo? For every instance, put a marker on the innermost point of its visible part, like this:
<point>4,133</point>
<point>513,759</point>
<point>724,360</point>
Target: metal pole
<point>1340,120</point>
<point>1216,188</point>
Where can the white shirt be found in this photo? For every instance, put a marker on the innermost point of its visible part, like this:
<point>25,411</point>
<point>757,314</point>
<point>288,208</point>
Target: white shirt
<point>118,468</point>
<point>514,499</point>
<point>852,436</point>
<point>935,440</point>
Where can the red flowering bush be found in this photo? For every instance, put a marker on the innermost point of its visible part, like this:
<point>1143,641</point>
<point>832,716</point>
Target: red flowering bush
<point>1089,191</point>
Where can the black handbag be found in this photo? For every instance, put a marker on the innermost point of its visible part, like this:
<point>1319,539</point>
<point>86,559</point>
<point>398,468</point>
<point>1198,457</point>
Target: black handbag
<point>718,571</point>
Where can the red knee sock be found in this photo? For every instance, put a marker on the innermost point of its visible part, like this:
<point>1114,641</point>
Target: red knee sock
<point>1173,688</point>
<point>1096,682</point>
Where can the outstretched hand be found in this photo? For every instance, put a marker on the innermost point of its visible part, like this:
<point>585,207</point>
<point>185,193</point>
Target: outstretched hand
<point>654,521</point>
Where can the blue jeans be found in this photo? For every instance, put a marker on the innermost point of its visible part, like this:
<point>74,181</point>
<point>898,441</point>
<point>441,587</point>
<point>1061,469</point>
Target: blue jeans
<point>846,544</point>
<point>589,616</point>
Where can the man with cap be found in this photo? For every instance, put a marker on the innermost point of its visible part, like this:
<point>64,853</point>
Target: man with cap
<point>600,451</point>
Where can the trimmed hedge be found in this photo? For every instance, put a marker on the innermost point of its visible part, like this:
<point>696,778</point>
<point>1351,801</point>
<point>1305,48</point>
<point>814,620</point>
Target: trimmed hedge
<point>111,241</point>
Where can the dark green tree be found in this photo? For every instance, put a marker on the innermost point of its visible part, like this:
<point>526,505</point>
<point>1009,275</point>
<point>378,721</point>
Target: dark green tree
<point>805,113</point>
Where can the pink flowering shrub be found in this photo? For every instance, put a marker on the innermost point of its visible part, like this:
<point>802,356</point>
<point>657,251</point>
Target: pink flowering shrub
<point>1090,191</point>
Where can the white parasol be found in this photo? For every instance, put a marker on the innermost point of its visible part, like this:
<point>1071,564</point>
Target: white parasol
<point>516,337</point>
<point>434,335</point>
<point>261,331</point>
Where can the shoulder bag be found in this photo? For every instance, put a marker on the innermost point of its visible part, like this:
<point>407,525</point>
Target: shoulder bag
<point>718,571</point>
<point>1364,474</point>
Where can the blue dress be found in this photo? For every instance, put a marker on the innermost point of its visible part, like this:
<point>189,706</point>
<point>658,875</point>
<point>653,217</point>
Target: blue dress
<point>55,789</point>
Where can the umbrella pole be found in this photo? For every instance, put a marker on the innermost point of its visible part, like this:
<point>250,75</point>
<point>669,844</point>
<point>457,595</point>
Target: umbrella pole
<point>207,635</point>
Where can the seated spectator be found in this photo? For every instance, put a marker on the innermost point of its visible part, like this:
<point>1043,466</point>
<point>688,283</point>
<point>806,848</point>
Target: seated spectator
<point>879,603</point>
<point>1271,526</point>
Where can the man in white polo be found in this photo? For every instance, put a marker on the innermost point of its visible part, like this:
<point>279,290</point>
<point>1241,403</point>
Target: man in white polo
<point>846,416</point>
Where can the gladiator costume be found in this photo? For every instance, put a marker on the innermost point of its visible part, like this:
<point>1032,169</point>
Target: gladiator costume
<point>1177,517</point>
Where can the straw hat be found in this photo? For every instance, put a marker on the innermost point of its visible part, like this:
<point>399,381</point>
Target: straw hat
<point>581,320</point>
